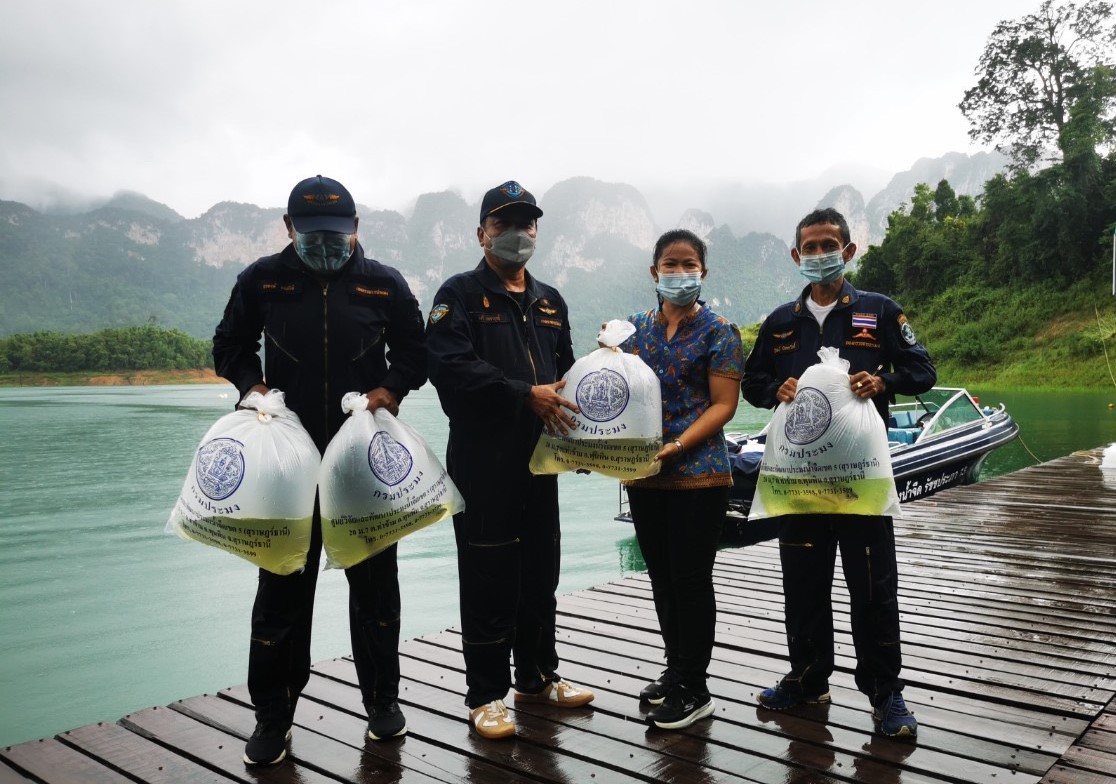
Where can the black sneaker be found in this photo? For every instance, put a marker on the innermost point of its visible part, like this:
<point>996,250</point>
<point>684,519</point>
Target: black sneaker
<point>656,691</point>
<point>893,718</point>
<point>782,697</point>
<point>386,721</point>
<point>681,708</point>
<point>268,744</point>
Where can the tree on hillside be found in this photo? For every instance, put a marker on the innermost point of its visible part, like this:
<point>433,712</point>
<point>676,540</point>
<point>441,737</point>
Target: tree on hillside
<point>1039,72</point>
<point>927,248</point>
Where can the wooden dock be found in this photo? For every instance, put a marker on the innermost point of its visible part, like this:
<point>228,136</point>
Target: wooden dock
<point>1008,597</point>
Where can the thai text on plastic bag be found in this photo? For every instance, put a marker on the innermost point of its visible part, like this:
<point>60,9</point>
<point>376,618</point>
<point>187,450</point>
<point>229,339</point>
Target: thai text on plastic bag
<point>379,481</point>
<point>620,428</point>
<point>826,451</point>
<point>250,489</point>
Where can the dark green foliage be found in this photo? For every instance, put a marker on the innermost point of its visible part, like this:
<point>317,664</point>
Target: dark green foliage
<point>1044,83</point>
<point>149,347</point>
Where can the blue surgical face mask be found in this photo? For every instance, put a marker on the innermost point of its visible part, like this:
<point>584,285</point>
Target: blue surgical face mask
<point>679,288</point>
<point>324,252</point>
<point>823,268</point>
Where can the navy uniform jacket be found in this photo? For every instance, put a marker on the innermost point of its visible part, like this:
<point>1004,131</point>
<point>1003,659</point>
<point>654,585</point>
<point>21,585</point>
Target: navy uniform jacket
<point>485,353</point>
<point>323,337</point>
<point>868,329</point>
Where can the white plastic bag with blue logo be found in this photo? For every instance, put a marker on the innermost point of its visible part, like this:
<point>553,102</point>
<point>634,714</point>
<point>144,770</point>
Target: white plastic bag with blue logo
<point>250,489</point>
<point>826,451</point>
<point>379,481</point>
<point>620,428</point>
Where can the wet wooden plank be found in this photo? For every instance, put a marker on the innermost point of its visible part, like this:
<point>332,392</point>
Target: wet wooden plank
<point>574,742</point>
<point>992,684</point>
<point>349,757</point>
<point>213,748</point>
<point>822,742</point>
<point>11,776</point>
<point>126,751</point>
<point>1092,760</point>
<point>333,708</point>
<point>1065,774</point>
<point>51,761</point>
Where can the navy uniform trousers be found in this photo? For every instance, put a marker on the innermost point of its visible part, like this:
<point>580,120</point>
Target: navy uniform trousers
<point>808,546</point>
<point>279,652</point>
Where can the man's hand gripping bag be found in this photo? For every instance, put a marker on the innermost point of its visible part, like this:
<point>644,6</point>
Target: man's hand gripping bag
<point>379,481</point>
<point>826,451</point>
<point>620,428</point>
<point>250,489</point>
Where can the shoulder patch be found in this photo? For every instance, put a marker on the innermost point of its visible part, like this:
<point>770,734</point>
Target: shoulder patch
<point>906,331</point>
<point>438,312</point>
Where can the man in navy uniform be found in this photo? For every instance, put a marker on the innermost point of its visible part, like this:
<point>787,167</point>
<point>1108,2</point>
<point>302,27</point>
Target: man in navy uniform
<point>498,342</point>
<point>873,334</point>
<point>326,314</point>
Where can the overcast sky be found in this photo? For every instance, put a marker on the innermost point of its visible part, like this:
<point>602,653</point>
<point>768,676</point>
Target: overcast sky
<point>192,102</point>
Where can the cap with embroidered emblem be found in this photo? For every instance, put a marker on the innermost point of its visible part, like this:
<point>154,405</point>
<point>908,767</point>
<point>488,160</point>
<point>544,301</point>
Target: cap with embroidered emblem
<point>506,195</point>
<point>321,204</point>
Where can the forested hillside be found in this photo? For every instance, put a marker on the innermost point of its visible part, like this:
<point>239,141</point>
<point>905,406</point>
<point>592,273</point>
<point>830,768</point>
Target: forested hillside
<point>1016,287</point>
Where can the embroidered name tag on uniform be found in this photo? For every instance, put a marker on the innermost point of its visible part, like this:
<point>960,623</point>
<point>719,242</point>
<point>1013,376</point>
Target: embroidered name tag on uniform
<point>489,318</point>
<point>550,322</point>
<point>783,348</point>
<point>369,291</point>
<point>274,287</point>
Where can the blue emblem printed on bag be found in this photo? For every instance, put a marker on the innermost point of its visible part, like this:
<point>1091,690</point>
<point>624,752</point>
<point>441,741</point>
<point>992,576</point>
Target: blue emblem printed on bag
<point>220,467</point>
<point>389,460</point>
<point>512,188</point>
<point>602,395</point>
<point>809,416</point>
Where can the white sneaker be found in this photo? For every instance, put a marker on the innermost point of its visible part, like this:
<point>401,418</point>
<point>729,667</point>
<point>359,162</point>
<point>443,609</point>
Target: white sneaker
<point>492,720</point>
<point>561,693</point>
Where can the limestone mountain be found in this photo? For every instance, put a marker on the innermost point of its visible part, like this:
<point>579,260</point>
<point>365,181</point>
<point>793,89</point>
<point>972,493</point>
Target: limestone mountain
<point>132,260</point>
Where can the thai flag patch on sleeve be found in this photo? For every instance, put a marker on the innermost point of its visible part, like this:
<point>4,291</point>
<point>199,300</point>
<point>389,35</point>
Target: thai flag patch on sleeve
<point>864,320</point>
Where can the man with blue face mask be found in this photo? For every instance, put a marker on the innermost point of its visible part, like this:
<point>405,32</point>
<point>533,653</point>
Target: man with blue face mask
<point>499,341</point>
<point>873,334</point>
<point>332,321</point>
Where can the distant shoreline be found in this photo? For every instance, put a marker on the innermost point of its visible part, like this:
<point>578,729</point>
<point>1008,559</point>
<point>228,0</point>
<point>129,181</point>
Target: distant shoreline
<point>106,379</point>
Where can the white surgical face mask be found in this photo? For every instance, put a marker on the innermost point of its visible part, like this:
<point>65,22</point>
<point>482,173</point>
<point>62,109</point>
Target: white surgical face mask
<point>514,247</point>
<point>822,268</point>
<point>679,288</point>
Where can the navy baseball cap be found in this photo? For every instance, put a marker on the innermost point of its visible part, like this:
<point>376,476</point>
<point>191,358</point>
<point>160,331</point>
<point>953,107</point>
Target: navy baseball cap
<point>321,204</point>
<point>511,192</point>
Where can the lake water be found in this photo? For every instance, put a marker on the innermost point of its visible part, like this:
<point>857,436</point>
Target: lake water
<point>103,614</point>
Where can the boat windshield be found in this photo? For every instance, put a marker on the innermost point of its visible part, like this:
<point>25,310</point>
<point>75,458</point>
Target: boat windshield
<point>946,408</point>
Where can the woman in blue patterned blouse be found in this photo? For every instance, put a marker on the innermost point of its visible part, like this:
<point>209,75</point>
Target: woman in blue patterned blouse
<point>679,512</point>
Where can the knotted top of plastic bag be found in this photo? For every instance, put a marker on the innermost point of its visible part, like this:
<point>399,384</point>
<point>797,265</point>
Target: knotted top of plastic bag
<point>271,404</point>
<point>831,357</point>
<point>354,401</point>
<point>615,332</point>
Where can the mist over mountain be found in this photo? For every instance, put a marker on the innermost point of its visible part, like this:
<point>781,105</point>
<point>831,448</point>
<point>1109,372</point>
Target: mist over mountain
<point>131,260</point>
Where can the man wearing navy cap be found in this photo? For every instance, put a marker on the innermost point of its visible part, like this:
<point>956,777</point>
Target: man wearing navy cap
<point>326,314</point>
<point>498,341</point>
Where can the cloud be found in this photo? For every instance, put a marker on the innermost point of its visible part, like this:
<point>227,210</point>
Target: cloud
<point>197,101</point>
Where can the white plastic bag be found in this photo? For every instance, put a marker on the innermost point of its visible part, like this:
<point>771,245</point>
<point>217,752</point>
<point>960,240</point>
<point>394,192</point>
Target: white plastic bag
<point>826,451</point>
<point>620,428</point>
<point>379,481</point>
<point>250,489</point>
